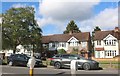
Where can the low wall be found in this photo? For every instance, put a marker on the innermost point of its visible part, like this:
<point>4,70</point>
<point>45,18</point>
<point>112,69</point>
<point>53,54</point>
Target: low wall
<point>106,59</point>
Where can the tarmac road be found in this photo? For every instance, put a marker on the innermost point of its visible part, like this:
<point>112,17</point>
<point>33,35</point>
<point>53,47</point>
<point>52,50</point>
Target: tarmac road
<point>50,71</point>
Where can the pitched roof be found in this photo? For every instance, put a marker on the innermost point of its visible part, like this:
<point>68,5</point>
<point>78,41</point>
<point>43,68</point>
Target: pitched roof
<point>99,35</point>
<point>84,36</point>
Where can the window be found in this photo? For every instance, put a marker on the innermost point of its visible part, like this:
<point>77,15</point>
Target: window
<point>110,42</point>
<point>99,42</point>
<point>52,45</point>
<point>110,53</point>
<point>62,44</point>
<point>56,56</point>
<point>73,57</point>
<point>65,56</point>
<point>74,43</point>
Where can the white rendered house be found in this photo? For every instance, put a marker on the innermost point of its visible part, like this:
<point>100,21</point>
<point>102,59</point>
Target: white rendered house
<point>107,43</point>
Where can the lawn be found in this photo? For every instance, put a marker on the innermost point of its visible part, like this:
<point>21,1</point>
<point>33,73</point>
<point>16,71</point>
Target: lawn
<point>110,64</point>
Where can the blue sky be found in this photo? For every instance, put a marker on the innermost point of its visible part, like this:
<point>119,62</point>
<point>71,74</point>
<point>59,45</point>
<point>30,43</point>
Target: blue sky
<point>53,17</point>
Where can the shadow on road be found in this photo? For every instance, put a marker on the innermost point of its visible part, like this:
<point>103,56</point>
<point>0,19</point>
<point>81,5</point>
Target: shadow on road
<point>100,68</point>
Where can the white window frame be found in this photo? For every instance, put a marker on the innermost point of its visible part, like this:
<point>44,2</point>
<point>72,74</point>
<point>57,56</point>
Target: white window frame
<point>99,42</point>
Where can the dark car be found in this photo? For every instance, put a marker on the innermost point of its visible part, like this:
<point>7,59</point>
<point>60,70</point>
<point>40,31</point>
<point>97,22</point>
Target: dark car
<point>59,61</point>
<point>21,59</point>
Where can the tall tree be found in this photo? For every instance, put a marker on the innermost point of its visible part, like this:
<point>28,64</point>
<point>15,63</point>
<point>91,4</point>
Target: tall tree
<point>19,27</point>
<point>97,28</point>
<point>72,27</point>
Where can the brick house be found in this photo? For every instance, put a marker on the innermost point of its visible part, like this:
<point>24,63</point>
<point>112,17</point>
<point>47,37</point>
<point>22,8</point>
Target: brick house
<point>68,42</point>
<point>107,43</point>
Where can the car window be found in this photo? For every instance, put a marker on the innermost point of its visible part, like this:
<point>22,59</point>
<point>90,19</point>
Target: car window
<point>21,57</point>
<point>73,57</point>
<point>56,56</point>
<point>82,58</point>
<point>65,56</point>
<point>17,56</point>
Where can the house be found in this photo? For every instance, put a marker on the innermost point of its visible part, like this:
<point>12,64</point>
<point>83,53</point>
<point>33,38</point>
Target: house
<point>68,42</point>
<point>107,43</point>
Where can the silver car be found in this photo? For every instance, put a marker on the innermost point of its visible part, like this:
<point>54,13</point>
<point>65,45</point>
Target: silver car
<point>59,61</point>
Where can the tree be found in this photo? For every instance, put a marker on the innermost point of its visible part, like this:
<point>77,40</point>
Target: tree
<point>97,28</point>
<point>20,27</point>
<point>71,27</point>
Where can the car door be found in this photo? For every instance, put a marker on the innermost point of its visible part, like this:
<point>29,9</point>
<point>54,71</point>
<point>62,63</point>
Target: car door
<point>79,60</point>
<point>65,60</point>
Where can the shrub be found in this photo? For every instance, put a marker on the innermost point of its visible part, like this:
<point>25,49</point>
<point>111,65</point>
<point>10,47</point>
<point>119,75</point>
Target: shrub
<point>61,51</point>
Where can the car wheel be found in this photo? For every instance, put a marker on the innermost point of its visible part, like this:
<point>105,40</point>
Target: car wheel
<point>10,63</point>
<point>57,65</point>
<point>86,66</point>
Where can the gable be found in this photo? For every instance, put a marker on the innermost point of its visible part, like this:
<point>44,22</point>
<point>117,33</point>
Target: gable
<point>72,39</point>
<point>109,37</point>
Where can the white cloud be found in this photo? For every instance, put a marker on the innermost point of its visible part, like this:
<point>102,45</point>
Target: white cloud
<point>106,20</point>
<point>19,5</point>
<point>60,10</point>
<point>49,21</point>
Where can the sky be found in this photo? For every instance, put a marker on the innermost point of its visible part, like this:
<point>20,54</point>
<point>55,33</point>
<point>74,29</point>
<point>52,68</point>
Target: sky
<point>54,15</point>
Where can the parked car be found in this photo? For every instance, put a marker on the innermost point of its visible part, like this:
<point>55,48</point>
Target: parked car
<point>64,60</point>
<point>21,59</point>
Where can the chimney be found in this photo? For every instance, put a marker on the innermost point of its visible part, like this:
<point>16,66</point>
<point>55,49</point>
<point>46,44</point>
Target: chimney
<point>116,29</point>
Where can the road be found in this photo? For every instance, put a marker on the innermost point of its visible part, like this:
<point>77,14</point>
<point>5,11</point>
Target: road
<point>50,71</point>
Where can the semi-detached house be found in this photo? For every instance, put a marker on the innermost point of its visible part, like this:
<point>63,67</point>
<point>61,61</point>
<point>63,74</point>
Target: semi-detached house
<point>107,43</point>
<point>68,42</point>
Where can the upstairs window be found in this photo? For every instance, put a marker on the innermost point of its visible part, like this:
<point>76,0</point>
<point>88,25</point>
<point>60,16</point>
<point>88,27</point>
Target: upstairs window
<point>53,44</point>
<point>99,42</point>
<point>110,42</point>
<point>63,44</point>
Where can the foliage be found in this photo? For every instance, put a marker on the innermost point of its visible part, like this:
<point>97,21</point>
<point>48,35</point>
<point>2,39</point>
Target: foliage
<point>20,27</point>
<point>71,27</point>
<point>97,28</point>
<point>61,51</point>
<point>74,51</point>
